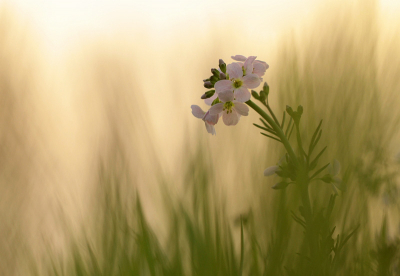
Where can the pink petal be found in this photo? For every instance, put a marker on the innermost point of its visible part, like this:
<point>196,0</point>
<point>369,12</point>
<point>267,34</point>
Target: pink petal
<point>216,109</point>
<point>226,96</point>
<point>230,119</point>
<point>248,64</point>
<point>197,111</point>
<point>262,62</point>
<point>210,100</point>
<point>259,69</point>
<point>211,119</point>
<point>238,58</point>
<point>251,81</point>
<point>242,94</point>
<point>234,70</point>
<point>223,86</point>
<point>210,129</point>
<point>241,108</point>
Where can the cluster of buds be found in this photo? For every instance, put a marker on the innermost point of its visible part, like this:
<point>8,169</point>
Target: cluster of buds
<point>230,86</point>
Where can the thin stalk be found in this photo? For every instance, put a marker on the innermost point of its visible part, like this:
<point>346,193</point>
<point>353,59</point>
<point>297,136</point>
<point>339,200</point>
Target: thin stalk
<point>277,129</point>
<point>273,115</point>
<point>308,213</point>
<point>299,142</point>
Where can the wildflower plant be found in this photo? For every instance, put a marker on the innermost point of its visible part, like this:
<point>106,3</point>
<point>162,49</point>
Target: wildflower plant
<point>230,99</point>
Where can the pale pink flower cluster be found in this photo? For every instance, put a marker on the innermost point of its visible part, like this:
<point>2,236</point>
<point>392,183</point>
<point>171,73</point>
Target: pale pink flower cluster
<point>232,92</point>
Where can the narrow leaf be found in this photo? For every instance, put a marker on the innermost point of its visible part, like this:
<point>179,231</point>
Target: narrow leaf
<point>313,137</point>
<point>319,171</point>
<point>283,120</point>
<point>271,137</point>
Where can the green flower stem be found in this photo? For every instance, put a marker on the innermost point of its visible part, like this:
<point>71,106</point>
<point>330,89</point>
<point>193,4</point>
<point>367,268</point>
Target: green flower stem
<point>277,129</point>
<point>272,113</point>
<point>303,179</point>
<point>299,142</point>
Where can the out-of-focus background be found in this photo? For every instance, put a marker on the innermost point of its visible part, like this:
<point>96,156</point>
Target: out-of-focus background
<point>95,118</point>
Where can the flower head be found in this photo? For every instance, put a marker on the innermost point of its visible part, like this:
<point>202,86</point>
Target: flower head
<point>230,109</point>
<point>241,79</point>
<point>209,120</point>
<point>259,67</point>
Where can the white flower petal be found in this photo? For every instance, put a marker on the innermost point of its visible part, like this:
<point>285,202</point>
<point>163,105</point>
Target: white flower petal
<point>234,70</point>
<point>238,58</point>
<point>251,81</point>
<point>271,170</point>
<point>211,119</point>
<point>335,167</point>
<point>210,100</point>
<point>197,111</point>
<point>210,129</point>
<point>241,108</point>
<point>223,85</point>
<point>242,94</point>
<point>226,96</point>
<point>216,109</point>
<point>248,64</point>
<point>230,119</point>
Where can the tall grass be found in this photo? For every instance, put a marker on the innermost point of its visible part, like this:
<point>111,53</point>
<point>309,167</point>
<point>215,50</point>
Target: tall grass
<point>135,219</point>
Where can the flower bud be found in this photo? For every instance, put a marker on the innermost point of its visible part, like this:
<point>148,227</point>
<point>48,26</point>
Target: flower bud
<point>222,66</point>
<point>289,110</point>
<point>215,72</point>
<point>222,76</point>
<point>271,170</point>
<point>255,94</point>
<point>280,185</point>
<point>263,96</point>
<point>206,80</point>
<point>208,94</point>
<point>213,79</point>
<point>208,84</point>
<point>266,89</point>
<point>300,110</point>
